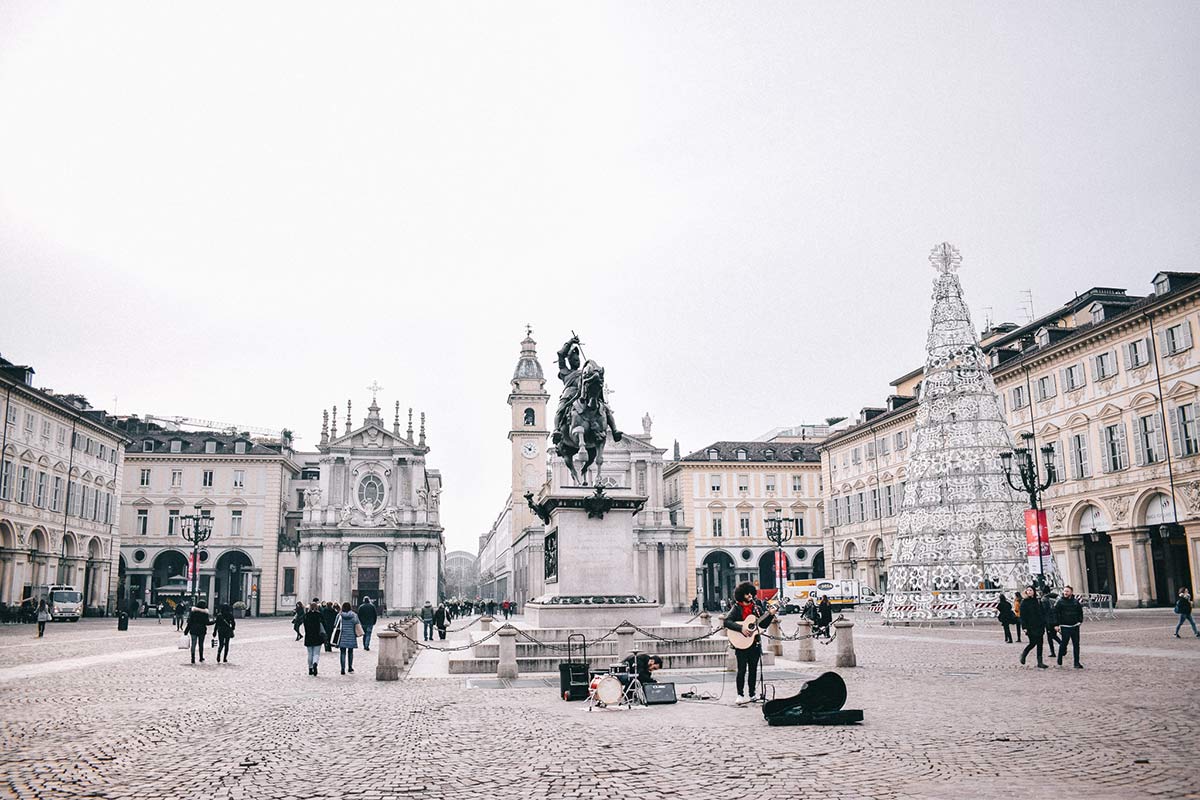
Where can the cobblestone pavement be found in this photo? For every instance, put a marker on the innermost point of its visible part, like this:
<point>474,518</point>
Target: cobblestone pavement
<point>88,712</point>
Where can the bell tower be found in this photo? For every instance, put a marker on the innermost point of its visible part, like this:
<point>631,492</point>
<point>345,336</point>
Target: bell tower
<point>530,428</point>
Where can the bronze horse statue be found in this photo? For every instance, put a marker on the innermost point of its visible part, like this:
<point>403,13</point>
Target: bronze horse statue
<point>586,426</point>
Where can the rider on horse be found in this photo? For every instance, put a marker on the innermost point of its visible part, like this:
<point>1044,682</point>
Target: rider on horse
<point>572,371</point>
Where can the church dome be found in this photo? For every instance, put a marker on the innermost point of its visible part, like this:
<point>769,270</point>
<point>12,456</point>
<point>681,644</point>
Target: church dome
<point>528,366</point>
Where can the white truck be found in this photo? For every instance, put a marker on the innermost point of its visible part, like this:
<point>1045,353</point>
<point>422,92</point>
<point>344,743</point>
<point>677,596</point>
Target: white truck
<point>841,593</point>
<point>64,601</point>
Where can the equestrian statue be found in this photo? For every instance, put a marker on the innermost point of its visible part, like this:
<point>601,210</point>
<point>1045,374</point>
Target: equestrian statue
<point>583,421</point>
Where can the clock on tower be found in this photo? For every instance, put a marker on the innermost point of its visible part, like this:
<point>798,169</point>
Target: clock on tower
<point>528,400</point>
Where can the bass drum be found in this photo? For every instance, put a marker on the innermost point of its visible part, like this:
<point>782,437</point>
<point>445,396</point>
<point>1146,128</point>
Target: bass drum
<point>606,690</point>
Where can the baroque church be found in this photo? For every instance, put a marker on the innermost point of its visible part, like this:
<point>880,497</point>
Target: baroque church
<point>511,558</point>
<point>369,523</point>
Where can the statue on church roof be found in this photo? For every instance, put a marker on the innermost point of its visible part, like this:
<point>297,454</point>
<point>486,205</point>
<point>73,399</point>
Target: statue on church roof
<point>583,421</point>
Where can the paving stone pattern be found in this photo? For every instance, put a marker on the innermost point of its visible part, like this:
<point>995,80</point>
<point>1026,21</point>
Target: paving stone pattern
<point>92,713</point>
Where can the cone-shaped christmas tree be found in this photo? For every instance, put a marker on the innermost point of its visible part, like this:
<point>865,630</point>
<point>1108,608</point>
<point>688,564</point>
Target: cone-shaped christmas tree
<point>961,526</point>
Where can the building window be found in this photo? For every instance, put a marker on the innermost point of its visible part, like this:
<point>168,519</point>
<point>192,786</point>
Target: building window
<point>23,486</point>
<point>235,523</point>
<point>46,429</point>
<point>62,435</point>
<point>147,446</point>
<point>1104,366</point>
<point>889,500</point>
<point>1162,284</point>
<point>289,581</point>
<point>173,522</point>
<point>870,450</point>
<point>29,422</point>
<point>1056,458</point>
<point>743,483</point>
<point>1097,314</point>
<point>799,522</point>
<point>56,494</point>
<point>1177,338</point>
<point>884,446</point>
<point>1137,354</point>
<point>145,478</point>
<point>769,483</point>
<point>12,414</point>
<point>798,484</point>
<point>744,523</point>
<point>875,504</point>
<point>718,525</point>
<point>856,455</point>
<point>530,417</point>
<point>741,455</point>
<point>176,478</point>
<point>1081,467</point>
<point>207,479</point>
<point>176,446</point>
<point>901,440</point>
<point>143,521</point>
<point>1186,442</point>
<point>39,495</point>
<point>1046,387</point>
<point>713,455</point>
<point>85,497</point>
<point>1115,457</point>
<point>210,447</point>
<point>1019,399</point>
<point>714,484</point>
<point>239,479</point>
<point>6,478</point>
<point>239,448</point>
<point>1073,378</point>
<point>1149,439</point>
<point>769,454</point>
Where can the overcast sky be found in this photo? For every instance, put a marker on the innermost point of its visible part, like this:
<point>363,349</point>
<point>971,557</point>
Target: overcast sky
<point>249,212</point>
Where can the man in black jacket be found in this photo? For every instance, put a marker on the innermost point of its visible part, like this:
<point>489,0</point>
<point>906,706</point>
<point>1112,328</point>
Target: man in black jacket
<point>1034,625</point>
<point>367,617</point>
<point>746,604</point>
<point>329,616</point>
<point>1069,613</point>
<point>1050,620</point>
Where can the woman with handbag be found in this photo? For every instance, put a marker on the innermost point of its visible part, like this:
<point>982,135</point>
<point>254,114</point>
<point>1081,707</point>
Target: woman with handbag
<point>315,635</point>
<point>197,626</point>
<point>298,619</point>
<point>223,630</point>
<point>43,616</point>
<point>345,633</point>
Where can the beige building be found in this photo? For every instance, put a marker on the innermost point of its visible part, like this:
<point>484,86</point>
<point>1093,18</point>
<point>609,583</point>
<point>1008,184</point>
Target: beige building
<point>60,493</point>
<point>241,483</point>
<point>1108,381</point>
<point>725,493</point>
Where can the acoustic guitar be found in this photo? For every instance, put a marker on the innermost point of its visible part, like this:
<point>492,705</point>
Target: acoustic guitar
<point>751,628</point>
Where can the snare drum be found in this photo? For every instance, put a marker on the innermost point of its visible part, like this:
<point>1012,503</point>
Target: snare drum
<point>606,690</point>
<point>620,668</point>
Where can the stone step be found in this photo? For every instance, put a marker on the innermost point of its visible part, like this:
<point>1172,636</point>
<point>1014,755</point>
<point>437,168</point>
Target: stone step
<point>463,665</point>
<point>557,635</point>
<point>606,649</point>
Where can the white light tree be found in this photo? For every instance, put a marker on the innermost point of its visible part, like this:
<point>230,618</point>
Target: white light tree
<point>961,527</point>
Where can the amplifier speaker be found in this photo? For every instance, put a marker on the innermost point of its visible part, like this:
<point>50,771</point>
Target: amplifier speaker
<point>573,680</point>
<point>659,694</point>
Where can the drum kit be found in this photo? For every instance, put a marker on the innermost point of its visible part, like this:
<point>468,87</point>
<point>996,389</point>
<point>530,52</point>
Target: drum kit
<point>607,689</point>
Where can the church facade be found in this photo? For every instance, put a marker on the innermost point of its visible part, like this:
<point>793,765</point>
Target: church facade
<point>368,516</point>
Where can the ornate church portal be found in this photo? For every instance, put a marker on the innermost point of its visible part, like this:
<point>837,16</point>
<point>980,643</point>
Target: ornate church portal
<point>370,524</point>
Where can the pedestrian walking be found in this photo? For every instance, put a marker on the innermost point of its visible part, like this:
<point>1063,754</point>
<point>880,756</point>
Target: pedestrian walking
<point>1004,611</point>
<point>179,615</point>
<point>223,627</point>
<point>427,621</point>
<point>298,619</point>
<point>1069,614</point>
<point>1183,607</point>
<point>160,609</point>
<point>1031,619</point>
<point>824,617</point>
<point>315,635</point>
<point>43,616</point>
<point>367,617</point>
<point>347,629</point>
<point>440,620</point>
<point>197,628</point>
<point>1016,607</point>
<point>1050,620</point>
<point>329,614</point>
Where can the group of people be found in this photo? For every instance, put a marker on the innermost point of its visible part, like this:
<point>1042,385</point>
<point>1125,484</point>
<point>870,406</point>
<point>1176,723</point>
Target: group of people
<point>820,614</point>
<point>328,625</point>
<point>198,622</point>
<point>1048,620</point>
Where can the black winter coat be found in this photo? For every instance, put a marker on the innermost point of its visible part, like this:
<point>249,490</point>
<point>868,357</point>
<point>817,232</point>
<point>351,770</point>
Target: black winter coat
<point>439,617</point>
<point>197,622</point>
<point>1031,615</point>
<point>314,629</point>
<point>1005,612</point>
<point>329,616</point>
<point>1049,615</point>
<point>1183,605</point>
<point>224,625</point>
<point>367,615</point>
<point>1068,611</point>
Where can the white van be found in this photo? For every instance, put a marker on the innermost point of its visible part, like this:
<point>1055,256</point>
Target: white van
<point>65,602</point>
<point>841,593</point>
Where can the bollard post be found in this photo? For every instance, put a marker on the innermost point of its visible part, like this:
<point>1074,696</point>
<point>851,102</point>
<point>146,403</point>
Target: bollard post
<point>807,652</point>
<point>624,641</point>
<point>485,623</point>
<point>507,668</point>
<point>844,641</point>
<point>387,668</point>
<point>776,639</point>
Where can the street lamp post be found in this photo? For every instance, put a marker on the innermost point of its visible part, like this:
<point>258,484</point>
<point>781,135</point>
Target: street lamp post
<point>779,532</point>
<point>1031,484</point>
<point>196,528</point>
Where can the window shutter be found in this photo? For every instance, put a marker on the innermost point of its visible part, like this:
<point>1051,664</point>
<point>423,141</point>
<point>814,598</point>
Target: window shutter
<point>1115,364</point>
<point>1185,335</point>
<point>1105,459</point>
<point>1160,435</point>
<point>1176,433</point>
<point>1076,467</point>
<point>1163,343</point>
<point>1066,382</point>
<point>1053,385</point>
<point>1122,447</point>
<point>1139,442</point>
<point>1127,352</point>
<point>1060,468</point>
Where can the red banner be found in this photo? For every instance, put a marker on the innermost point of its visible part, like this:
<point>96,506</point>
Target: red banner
<point>1037,542</point>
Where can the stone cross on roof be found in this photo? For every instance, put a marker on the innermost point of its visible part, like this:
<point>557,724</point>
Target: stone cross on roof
<point>374,389</point>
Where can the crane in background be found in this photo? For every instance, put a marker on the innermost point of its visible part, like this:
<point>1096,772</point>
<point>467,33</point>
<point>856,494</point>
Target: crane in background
<point>212,425</point>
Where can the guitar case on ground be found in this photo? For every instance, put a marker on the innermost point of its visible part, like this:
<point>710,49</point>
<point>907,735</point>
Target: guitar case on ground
<point>819,702</point>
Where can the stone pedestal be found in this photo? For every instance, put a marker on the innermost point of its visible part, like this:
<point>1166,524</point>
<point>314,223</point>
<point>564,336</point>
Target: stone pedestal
<point>844,644</point>
<point>387,667</point>
<point>806,651</point>
<point>588,560</point>
<point>507,667</point>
